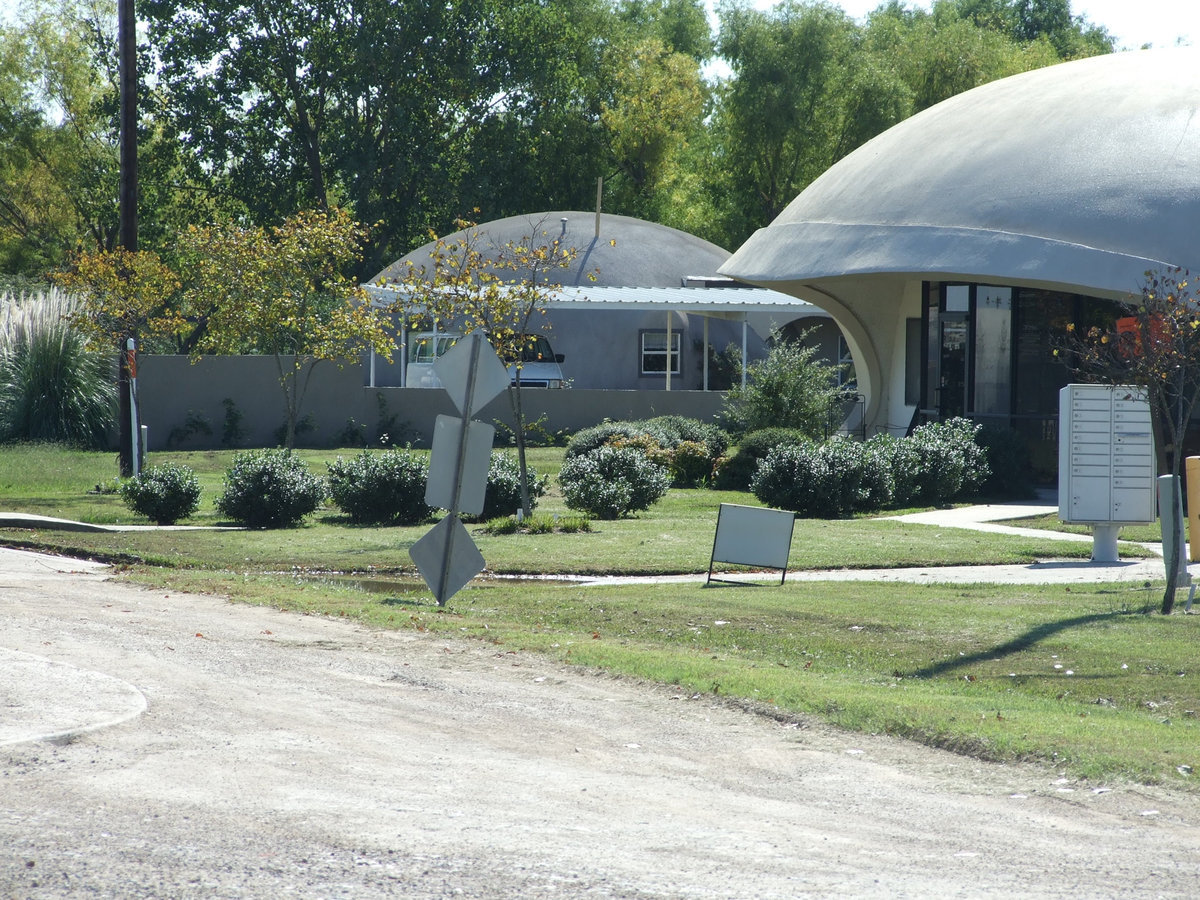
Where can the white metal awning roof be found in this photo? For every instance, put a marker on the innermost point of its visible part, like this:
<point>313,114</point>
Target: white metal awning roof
<point>719,302</point>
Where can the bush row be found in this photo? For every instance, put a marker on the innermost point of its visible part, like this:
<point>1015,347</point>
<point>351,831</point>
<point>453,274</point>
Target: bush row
<point>618,468</point>
<point>275,489</point>
<point>937,464</point>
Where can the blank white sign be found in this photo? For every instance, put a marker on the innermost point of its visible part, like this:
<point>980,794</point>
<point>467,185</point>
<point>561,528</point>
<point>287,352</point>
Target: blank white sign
<point>753,536</point>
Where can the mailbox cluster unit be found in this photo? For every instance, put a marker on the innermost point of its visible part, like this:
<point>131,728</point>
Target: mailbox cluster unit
<point>1106,462</point>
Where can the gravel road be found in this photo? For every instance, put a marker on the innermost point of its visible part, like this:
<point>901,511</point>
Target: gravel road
<point>156,745</point>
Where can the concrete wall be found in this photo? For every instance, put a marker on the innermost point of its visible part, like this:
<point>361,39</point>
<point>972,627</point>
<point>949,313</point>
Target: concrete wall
<point>184,404</point>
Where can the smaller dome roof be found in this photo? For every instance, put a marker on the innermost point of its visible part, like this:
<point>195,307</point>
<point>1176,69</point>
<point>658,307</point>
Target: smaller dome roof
<point>627,252</point>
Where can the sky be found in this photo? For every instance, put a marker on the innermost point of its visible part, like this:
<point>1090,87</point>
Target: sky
<point>1132,22</point>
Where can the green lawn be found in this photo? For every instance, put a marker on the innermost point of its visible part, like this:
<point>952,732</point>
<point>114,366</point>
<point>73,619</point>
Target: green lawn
<point>1085,679</point>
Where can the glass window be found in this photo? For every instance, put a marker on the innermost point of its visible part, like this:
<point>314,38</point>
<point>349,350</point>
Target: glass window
<point>958,298</point>
<point>1042,319</point>
<point>993,350</point>
<point>654,354</point>
<point>846,375</point>
<point>912,362</point>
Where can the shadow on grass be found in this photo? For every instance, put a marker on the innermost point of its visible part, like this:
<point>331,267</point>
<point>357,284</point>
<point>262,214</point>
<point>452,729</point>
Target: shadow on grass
<point>1021,643</point>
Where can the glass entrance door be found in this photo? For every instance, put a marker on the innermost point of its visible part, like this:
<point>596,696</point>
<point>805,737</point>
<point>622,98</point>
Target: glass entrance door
<point>953,365</point>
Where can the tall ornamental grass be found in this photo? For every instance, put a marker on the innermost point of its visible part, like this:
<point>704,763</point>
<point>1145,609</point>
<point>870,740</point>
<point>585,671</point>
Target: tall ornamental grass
<point>53,388</point>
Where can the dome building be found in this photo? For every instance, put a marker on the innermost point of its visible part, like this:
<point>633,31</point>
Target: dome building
<point>638,306</point>
<point>953,248</point>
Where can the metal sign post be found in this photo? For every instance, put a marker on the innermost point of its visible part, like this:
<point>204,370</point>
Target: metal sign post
<point>473,375</point>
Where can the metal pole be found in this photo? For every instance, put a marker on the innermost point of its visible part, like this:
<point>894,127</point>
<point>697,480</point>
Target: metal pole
<point>460,464</point>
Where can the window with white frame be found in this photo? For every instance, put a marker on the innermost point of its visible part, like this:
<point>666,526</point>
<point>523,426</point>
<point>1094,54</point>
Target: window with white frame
<point>847,378</point>
<point>654,355</point>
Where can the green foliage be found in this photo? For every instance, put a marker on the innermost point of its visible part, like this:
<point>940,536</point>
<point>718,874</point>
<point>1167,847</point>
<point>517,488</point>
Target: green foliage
<point>233,429</point>
<point>282,291</point>
<point>666,431</point>
<point>734,473</point>
<point>1010,475</point>
<point>270,489</point>
<point>611,482</point>
<point>823,481</point>
<point>504,486</point>
<point>687,448</point>
<point>690,464</point>
<point>164,494</point>
<point>791,388</point>
<point>385,487</point>
<point>502,525</point>
<point>939,463</point>
<point>53,387</point>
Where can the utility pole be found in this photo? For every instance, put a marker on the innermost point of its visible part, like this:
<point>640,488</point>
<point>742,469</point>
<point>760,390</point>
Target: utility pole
<point>127,231</point>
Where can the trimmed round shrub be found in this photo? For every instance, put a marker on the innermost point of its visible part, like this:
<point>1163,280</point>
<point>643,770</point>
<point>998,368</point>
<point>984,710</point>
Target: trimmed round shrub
<point>503,496</point>
<point>734,474</point>
<point>939,463</point>
<point>164,494</point>
<point>270,489</point>
<point>387,487</point>
<point>826,481</point>
<point>878,485</point>
<point>611,482</point>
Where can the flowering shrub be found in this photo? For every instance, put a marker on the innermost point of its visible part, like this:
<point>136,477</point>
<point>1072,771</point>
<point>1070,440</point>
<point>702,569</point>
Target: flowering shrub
<point>164,494</point>
<point>270,489</point>
<point>381,488</point>
<point>610,482</point>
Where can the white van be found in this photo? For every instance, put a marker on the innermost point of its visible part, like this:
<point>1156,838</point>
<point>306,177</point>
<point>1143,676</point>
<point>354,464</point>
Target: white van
<point>541,367</point>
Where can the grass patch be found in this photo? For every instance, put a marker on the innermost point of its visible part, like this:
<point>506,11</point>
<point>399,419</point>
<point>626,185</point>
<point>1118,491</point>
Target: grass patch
<point>1079,677</point>
<point>1151,533</point>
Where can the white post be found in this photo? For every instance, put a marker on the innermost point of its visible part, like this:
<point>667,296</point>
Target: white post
<point>668,351</point>
<point>743,351</point>
<point>706,353</point>
<point>403,353</point>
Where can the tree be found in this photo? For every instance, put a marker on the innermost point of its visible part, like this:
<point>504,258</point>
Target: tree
<point>791,388</point>
<point>122,294</point>
<point>797,102</point>
<point>281,291</point>
<point>126,295</point>
<point>501,290</point>
<point>58,151</point>
<point>404,111</point>
<point>1155,344</point>
<point>657,104</point>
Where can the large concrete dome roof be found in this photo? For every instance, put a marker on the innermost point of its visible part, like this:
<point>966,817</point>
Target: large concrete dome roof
<point>1081,176</point>
<point>627,252</point>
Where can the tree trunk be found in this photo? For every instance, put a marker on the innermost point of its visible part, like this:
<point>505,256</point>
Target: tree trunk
<point>514,398</point>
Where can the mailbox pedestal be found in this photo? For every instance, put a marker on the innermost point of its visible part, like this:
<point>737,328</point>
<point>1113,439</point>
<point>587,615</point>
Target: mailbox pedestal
<point>1106,461</point>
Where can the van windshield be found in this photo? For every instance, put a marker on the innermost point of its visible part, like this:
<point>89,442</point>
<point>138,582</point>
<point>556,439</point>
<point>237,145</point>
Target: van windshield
<point>421,348</point>
<point>536,349</point>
